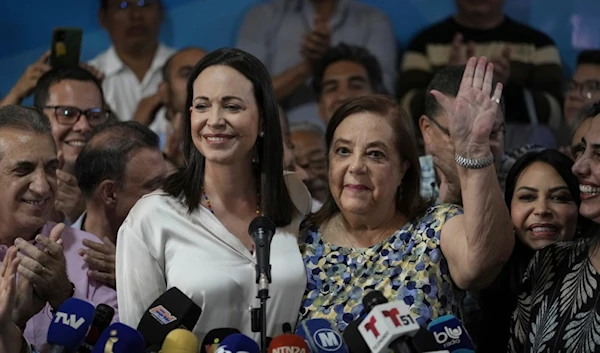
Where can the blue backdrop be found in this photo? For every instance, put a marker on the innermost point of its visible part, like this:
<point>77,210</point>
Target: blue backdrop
<point>211,24</point>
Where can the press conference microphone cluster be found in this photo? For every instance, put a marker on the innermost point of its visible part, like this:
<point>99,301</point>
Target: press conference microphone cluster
<point>261,231</point>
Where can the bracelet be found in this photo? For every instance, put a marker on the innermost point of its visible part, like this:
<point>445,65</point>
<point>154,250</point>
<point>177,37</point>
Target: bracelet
<point>469,163</point>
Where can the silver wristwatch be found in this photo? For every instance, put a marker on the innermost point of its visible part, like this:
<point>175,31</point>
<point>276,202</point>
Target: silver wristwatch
<point>469,163</point>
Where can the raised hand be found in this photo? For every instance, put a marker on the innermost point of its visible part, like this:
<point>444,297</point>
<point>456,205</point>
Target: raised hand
<point>101,259</point>
<point>472,114</point>
<point>23,88</point>
<point>69,198</point>
<point>46,268</point>
<point>8,287</point>
<point>502,65</point>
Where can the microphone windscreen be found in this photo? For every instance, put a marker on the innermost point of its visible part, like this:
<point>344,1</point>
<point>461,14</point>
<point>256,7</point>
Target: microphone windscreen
<point>213,338</point>
<point>171,310</point>
<point>321,336</point>
<point>120,338</point>
<point>287,328</point>
<point>261,222</point>
<point>102,318</point>
<point>451,334</point>
<point>353,339</point>
<point>238,343</point>
<point>288,343</point>
<point>70,324</point>
<point>180,341</point>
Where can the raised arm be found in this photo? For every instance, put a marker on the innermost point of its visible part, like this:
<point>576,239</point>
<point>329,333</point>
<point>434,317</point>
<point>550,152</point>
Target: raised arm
<point>478,243</point>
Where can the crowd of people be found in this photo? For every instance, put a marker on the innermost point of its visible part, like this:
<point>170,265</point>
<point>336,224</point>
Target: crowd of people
<point>463,181</point>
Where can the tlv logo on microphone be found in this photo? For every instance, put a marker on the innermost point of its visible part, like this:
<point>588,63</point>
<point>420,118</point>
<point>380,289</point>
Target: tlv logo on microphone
<point>69,320</point>
<point>162,315</point>
<point>448,337</point>
<point>327,339</point>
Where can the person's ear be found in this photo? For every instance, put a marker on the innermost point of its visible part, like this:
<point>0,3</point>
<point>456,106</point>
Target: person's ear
<point>425,127</point>
<point>107,189</point>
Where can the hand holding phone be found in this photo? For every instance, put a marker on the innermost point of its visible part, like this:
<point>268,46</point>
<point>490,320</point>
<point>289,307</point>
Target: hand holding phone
<point>66,47</point>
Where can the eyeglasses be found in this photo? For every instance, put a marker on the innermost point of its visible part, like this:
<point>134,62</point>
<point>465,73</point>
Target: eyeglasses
<point>587,89</point>
<point>70,115</point>
<point>442,129</point>
<point>127,5</point>
<point>446,132</point>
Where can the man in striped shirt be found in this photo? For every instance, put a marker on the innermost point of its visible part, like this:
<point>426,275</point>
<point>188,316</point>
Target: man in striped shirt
<point>523,58</point>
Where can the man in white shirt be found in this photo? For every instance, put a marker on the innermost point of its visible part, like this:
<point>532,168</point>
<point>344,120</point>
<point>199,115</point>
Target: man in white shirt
<point>132,65</point>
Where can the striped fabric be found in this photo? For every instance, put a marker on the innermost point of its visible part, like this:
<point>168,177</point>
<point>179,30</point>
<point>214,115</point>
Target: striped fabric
<point>535,64</point>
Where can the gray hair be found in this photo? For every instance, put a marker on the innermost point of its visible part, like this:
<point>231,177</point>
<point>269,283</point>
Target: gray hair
<point>24,118</point>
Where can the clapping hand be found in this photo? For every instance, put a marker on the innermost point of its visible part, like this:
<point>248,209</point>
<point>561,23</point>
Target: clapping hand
<point>46,268</point>
<point>101,259</point>
<point>8,287</point>
<point>69,198</point>
<point>472,115</point>
<point>316,42</point>
<point>458,53</point>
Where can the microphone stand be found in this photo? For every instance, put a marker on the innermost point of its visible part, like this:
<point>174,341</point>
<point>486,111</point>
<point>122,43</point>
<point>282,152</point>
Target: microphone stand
<point>262,235</point>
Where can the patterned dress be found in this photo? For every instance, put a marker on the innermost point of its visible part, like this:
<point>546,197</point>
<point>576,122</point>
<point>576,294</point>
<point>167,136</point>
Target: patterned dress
<point>558,308</point>
<point>408,266</point>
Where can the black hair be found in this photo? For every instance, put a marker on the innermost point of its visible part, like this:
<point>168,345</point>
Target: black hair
<point>346,52</point>
<point>107,153</point>
<point>588,57</point>
<point>187,183</point>
<point>447,81</point>
<point>54,76</point>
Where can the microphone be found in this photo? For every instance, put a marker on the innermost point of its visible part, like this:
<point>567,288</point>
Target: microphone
<point>451,334</point>
<point>388,325</point>
<point>119,338</point>
<point>353,339</point>
<point>102,318</point>
<point>286,328</point>
<point>261,230</point>
<point>321,336</point>
<point>288,343</point>
<point>238,343</point>
<point>180,341</point>
<point>70,326</point>
<point>213,338</point>
<point>171,310</point>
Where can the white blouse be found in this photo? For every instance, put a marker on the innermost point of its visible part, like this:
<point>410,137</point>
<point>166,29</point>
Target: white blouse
<point>160,246</point>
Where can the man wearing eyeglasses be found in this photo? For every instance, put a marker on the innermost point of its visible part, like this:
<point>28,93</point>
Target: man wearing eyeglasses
<point>584,87</point>
<point>439,177</point>
<point>73,101</point>
<point>132,65</point>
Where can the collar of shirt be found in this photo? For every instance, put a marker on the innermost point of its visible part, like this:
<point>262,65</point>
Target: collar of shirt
<point>339,14</point>
<point>78,224</point>
<point>112,64</point>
